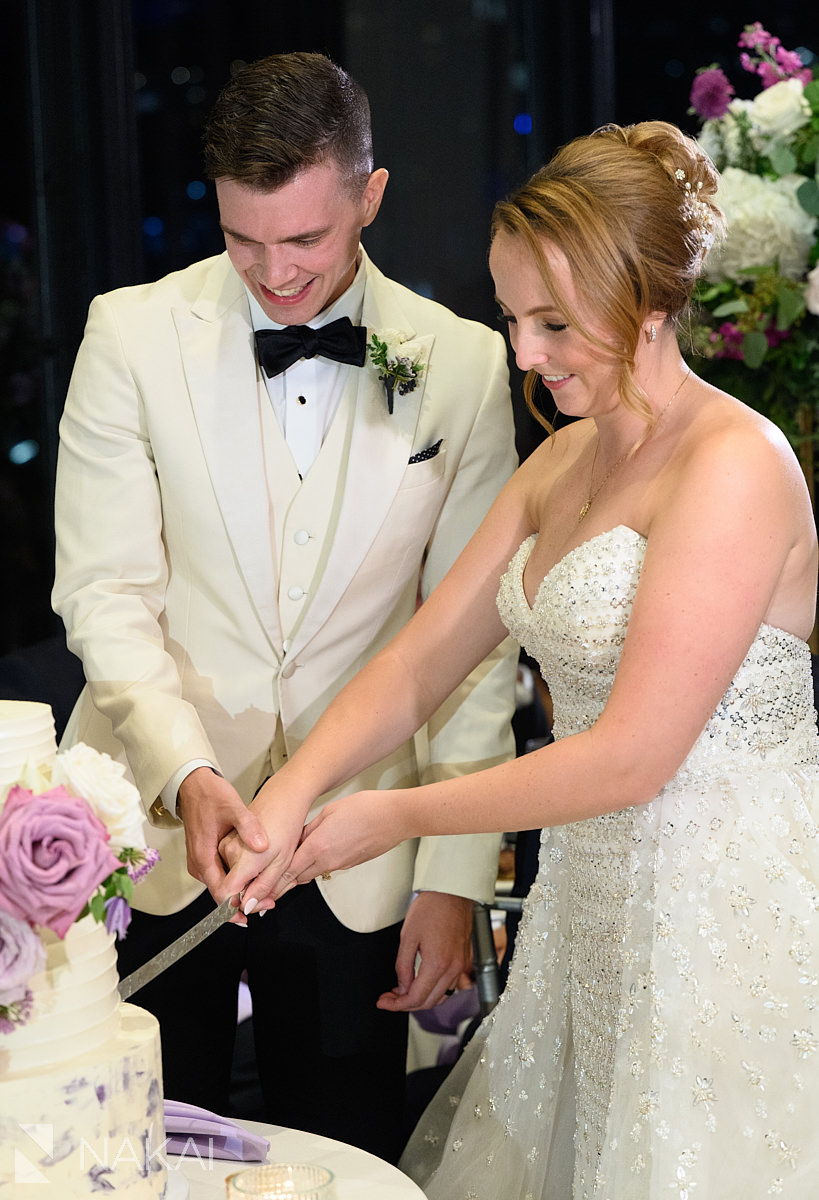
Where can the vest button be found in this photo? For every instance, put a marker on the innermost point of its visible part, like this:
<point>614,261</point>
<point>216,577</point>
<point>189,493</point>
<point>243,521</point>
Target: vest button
<point>295,592</point>
<point>289,671</point>
<point>301,537</point>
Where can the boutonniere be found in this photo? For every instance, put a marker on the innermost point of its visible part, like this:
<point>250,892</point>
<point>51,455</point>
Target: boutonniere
<point>399,362</point>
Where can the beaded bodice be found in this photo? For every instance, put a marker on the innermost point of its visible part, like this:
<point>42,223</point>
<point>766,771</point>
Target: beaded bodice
<point>575,630</point>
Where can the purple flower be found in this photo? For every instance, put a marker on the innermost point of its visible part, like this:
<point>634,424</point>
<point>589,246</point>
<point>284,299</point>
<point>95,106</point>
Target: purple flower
<point>55,854</point>
<point>140,862</point>
<point>21,956</point>
<point>711,93</point>
<point>117,916</point>
<point>16,1013</point>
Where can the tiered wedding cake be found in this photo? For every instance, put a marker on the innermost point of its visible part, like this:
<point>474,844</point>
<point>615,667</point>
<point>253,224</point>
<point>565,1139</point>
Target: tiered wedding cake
<point>80,1081</point>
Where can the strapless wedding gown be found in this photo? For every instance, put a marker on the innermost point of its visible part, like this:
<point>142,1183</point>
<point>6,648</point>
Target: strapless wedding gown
<point>659,1033</point>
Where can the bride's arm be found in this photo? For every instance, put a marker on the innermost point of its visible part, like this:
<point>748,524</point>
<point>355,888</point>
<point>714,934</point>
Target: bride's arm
<point>396,692</point>
<point>727,548</point>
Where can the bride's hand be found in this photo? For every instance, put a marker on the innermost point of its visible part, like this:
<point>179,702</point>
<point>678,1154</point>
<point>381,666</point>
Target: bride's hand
<point>283,822</point>
<point>346,832</point>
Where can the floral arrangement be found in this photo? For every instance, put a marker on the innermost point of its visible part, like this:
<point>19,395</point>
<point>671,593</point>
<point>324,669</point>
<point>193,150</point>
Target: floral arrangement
<point>758,329</point>
<point>399,361</point>
<point>71,843</point>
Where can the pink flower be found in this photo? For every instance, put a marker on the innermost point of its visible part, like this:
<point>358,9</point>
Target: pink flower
<point>769,75</point>
<point>772,62</point>
<point>711,93</point>
<point>21,956</point>
<point>776,336</point>
<point>54,853</point>
<point>788,61</point>
<point>754,37</point>
<point>731,341</point>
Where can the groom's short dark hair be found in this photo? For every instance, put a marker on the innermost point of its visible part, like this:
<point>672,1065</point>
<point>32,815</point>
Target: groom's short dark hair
<point>284,113</point>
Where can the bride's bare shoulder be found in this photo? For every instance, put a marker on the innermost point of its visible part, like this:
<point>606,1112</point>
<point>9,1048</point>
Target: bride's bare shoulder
<point>720,423</point>
<point>726,448</point>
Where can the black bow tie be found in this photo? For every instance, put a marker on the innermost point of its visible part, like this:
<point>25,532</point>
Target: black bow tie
<point>342,341</point>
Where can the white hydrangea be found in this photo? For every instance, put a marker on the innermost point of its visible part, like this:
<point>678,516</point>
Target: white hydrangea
<point>766,226</point>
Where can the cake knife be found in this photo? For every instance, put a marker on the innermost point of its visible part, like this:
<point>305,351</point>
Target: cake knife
<point>176,950</point>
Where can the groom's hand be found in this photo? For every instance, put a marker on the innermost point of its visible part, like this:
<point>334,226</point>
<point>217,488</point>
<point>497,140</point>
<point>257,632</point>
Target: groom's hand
<point>210,808</point>
<point>438,928</point>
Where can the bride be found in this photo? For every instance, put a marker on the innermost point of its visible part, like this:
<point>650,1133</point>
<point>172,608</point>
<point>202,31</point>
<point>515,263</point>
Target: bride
<point>658,1035</point>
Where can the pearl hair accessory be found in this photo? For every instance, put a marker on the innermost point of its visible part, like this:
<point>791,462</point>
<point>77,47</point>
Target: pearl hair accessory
<point>695,211</point>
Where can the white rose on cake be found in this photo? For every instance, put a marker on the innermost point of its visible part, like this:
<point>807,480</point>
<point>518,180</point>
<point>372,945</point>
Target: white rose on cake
<point>101,781</point>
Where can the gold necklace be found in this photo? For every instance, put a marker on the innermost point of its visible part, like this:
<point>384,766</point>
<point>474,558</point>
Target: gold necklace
<point>593,494</point>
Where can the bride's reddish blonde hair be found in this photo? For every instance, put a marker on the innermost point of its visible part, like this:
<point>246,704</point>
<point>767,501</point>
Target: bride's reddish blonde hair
<point>632,208</point>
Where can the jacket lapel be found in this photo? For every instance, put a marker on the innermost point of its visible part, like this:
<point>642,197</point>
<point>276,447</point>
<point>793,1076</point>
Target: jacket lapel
<point>380,446</point>
<point>216,340</point>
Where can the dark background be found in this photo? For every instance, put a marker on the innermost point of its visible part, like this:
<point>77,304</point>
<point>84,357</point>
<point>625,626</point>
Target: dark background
<point>101,115</point>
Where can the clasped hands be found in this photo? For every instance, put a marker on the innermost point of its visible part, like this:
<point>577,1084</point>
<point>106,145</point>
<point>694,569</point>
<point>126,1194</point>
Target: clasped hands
<point>261,851</point>
<point>222,833</point>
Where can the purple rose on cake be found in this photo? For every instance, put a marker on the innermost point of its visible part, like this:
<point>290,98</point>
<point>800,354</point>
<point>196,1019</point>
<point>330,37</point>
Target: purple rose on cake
<point>55,854</point>
<point>21,956</point>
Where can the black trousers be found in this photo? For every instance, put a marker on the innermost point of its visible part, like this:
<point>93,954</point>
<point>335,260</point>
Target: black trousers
<point>328,1060</point>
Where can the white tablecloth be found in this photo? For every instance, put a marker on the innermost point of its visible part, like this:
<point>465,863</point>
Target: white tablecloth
<point>359,1175</point>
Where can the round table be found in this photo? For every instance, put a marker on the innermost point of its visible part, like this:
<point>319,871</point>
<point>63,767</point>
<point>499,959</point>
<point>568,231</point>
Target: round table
<point>359,1175</point>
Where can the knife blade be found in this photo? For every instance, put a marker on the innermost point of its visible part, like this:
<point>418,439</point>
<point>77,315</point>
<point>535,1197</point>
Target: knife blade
<point>176,950</point>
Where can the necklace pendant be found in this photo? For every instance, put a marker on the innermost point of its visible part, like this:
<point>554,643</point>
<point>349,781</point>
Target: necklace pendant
<point>584,510</point>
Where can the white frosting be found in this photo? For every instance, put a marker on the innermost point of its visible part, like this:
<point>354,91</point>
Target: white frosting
<point>91,1124</point>
<point>26,736</point>
<point>76,1002</point>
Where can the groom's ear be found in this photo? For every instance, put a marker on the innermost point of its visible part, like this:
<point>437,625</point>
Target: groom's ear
<point>373,195</point>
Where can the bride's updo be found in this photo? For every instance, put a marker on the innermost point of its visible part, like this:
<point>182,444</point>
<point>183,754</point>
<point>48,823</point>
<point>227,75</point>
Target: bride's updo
<point>633,210</point>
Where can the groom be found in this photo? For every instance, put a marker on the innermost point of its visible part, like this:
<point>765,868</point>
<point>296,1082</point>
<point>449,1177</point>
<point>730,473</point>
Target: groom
<point>242,522</point>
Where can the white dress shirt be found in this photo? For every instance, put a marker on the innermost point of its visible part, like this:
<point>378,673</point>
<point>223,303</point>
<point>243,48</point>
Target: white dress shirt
<point>306,396</point>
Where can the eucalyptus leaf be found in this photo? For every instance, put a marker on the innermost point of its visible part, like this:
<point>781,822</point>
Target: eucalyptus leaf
<point>706,294</point>
<point>782,159</point>
<point>808,196</point>
<point>754,349</point>
<point>730,307</point>
<point>790,305</point>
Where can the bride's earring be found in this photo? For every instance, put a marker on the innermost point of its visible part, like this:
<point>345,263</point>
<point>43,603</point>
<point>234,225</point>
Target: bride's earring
<point>651,334</point>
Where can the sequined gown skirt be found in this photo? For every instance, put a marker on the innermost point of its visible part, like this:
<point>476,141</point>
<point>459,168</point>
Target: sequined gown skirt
<point>658,1036</point>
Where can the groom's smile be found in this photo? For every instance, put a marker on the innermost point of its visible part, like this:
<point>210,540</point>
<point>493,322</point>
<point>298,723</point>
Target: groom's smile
<point>296,248</point>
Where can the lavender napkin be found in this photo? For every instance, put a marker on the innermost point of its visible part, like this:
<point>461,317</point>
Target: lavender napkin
<point>212,1135</point>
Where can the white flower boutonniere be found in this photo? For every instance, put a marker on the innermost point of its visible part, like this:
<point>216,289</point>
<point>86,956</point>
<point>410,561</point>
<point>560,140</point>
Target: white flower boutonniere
<point>399,362</point>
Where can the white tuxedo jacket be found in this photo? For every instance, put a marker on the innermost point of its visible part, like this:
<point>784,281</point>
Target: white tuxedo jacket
<point>218,604</point>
